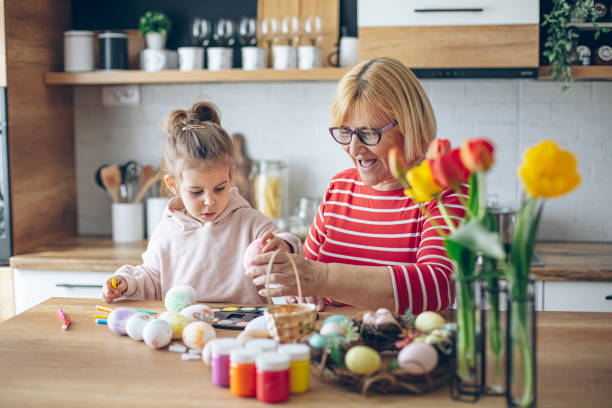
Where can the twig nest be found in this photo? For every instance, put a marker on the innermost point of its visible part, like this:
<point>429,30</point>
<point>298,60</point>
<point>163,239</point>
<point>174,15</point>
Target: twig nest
<point>362,360</point>
<point>427,322</point>
<point>418,358</point>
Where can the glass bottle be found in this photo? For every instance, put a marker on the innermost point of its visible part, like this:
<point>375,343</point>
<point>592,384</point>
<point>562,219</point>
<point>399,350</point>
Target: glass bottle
<point>270,188</point>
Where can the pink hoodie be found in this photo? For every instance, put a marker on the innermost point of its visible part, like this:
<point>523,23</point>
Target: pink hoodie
<point>206,256</point>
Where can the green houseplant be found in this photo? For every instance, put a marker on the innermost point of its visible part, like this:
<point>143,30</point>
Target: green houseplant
<point>561,37</point>
<point>155,26</point>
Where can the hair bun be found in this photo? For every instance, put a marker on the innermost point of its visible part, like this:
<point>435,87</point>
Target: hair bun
<point>205,112</point>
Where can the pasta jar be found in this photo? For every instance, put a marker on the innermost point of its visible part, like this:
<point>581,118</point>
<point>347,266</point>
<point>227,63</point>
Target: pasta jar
<point>242,371</point>
<point>219,362</point>
<point>270,188</point>
<point>299,366</point>
<point>272,377</point>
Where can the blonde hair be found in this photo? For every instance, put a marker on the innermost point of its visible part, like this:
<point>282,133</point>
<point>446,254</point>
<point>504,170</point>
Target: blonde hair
<point>193,136</point>
<point>387,85</point>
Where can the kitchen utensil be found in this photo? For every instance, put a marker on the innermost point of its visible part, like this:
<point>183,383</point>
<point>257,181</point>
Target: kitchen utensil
<point>145,187</point>
<point>111,179</point>
<point>146,173</point>
<point>130,172</point>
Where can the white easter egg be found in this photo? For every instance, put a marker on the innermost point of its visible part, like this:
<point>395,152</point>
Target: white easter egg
<point>258,323</point>
<point>118,318</point>
<point>157,333</point>
<point>197,334</point>
<point>178,298</point>
<point>176,320</point>
<point>136,323</point>
<point>198,312</point>
<point>331,328</point>
<point>418,358</point>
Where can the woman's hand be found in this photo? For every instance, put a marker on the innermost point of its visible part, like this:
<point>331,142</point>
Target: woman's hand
<point>315,300</point>
<point>313,275</point>
<point>271,243</point>
<point>109,293</point>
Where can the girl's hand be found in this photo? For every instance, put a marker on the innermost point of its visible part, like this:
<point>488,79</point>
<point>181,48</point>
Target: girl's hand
<point>109,293</point>
<point>315,300</point>
<point>313,275</point>
<point>271,243</point>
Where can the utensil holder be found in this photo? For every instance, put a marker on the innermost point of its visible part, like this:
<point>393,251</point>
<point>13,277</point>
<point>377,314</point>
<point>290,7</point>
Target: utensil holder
<point>128,222</point>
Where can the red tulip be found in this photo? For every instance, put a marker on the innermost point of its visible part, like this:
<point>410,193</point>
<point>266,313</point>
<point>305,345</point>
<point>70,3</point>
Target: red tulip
<point>477,155</point>
<point>448,170</point>
<point>438,147</point>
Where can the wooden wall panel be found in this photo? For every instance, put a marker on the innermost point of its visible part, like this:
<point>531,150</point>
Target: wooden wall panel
<point>492,46</point>
<point>2,47</point>
<point>40,124</point>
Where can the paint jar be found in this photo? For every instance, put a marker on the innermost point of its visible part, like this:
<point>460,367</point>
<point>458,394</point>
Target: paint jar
<point>299,371</point>
<point>263,345</point>
<point>272,377</point>
<point>220,360</point>
<point>242,371</point>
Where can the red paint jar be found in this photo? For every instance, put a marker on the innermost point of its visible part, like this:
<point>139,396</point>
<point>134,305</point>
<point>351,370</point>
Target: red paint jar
<point>272,377</point>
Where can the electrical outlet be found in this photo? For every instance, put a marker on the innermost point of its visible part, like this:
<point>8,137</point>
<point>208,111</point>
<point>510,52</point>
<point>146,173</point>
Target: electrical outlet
<point>120,95</point>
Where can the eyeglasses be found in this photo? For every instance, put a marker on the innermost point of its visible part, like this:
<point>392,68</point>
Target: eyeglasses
<point>367,136</point>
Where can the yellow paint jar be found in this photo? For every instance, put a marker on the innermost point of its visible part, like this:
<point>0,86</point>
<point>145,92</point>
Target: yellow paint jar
<point>299,360</point>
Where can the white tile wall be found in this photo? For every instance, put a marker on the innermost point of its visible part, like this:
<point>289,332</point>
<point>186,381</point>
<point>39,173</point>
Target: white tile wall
<point>289,121</point>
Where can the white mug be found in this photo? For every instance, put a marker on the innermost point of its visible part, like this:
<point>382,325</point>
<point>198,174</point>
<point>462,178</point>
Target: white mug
<point>285,57</point>
<point>219,58</point>
<point>155,209</point>
<point>349,51</point>
<point>253,58</point>
<point>310,57</point>
<point>154,59</point>
<point>190,58</point>
<point>128,222</point>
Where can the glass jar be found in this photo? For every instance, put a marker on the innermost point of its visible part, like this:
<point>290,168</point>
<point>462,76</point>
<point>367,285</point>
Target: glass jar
<point>270,188</point>
<point>304,212</point>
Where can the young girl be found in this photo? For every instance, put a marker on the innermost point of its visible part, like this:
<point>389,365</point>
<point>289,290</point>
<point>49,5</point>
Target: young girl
<point>206,227</point>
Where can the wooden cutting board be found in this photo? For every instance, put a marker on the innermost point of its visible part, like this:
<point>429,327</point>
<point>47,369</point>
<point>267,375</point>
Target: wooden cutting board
<point>328,10</point>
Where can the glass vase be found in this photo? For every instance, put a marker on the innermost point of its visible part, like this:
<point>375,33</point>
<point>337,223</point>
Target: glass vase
<point>521,345</point>
<point>493,295</point>
<point>466,381</point>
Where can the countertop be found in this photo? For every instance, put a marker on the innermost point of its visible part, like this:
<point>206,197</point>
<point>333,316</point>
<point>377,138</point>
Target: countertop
<point>564,261</point>
<point>87,365</point>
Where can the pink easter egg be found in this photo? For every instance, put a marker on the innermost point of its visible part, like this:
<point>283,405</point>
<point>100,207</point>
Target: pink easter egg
<point>253,250</point>
<point>331,328</point>
<point>418,358</point>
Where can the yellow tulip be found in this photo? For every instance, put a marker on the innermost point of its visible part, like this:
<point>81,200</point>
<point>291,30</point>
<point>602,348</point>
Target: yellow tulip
<point>548,171</point>
<point>422,185</point>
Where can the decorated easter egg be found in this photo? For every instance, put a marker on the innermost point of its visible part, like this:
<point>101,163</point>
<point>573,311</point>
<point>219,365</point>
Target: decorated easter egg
<point>136,323</point>
<point>176,320</point>
<point>190,291</point>
<point>383,316</point>
<point>362,360</point>
<point>428,321</point>
<point>157,333</point>
<point>258,323</point>
<point>198,312</point>
<point>418,358</point>
<point>369,318</point>
<point>336,319</point>
<point>317,341</point>
<point>197,334</point>
<point>207,352</point>
<point>179,298</point>
<point>330,328</point>
<point>118,318</point>
<point>251,252</point>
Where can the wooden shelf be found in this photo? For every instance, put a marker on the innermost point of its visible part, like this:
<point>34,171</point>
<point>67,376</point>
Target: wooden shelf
<point>582,72</point>
<point>175,76</point>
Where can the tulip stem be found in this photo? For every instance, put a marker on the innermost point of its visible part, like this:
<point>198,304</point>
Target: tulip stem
<point>438,227</point>
<point>444,213</point>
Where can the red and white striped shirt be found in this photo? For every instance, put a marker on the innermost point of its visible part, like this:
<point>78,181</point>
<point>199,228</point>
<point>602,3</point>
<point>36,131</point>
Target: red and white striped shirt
<point>358,225</point>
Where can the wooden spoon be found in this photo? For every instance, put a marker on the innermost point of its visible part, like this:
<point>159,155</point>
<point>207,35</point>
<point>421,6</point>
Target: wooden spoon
<point>146,173</point>
<point>147,183</point>
<point>111,178</point>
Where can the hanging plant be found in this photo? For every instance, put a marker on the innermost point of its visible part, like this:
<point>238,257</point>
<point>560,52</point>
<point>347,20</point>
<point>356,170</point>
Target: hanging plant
<point>561,37</point>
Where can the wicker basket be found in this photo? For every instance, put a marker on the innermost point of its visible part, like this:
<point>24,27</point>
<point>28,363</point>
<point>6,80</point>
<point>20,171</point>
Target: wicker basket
<point>289,323</point>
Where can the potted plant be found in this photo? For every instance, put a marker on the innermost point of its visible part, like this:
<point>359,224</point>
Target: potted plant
<point>155,26</point>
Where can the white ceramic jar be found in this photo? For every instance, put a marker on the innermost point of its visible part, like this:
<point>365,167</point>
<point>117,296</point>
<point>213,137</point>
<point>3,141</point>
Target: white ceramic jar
<point>79,51</point>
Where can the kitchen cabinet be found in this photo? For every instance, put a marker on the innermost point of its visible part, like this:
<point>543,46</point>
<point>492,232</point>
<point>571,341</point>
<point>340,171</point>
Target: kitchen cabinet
<point>33,287</point>
<point>577,296</point>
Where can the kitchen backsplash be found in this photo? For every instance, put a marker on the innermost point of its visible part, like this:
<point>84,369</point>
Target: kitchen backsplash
<point>289,121</point>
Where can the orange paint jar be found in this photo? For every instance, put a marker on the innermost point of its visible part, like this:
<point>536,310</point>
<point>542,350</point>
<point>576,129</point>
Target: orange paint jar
<point>242,372</point>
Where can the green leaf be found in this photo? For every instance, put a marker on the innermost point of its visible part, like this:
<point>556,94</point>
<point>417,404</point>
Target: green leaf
<point>474,237</point>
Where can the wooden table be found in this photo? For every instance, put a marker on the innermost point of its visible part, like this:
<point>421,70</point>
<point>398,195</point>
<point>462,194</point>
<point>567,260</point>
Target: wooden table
<point>88,366</point>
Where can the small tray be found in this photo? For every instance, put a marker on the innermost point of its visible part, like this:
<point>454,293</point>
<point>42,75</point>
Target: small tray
<point>235,317</point>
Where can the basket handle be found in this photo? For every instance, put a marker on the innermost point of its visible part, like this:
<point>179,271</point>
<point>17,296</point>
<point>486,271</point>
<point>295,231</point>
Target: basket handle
<point>295,271</point>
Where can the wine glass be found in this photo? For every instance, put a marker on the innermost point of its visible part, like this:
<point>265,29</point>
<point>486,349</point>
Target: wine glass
<point>201,31</point>
<point>313,29</point>
<point>223,33</point>
<point>290,27</point>
<point>247,31</point>
<point>269,30</point>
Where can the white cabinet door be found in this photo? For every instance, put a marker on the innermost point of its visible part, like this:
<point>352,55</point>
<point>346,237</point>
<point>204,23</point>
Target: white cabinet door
<point>394,13</point>
<point>577,296</point>
<point>33,287</point>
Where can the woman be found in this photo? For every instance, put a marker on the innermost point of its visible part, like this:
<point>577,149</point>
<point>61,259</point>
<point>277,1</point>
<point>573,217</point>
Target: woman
<point>371,246</point>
